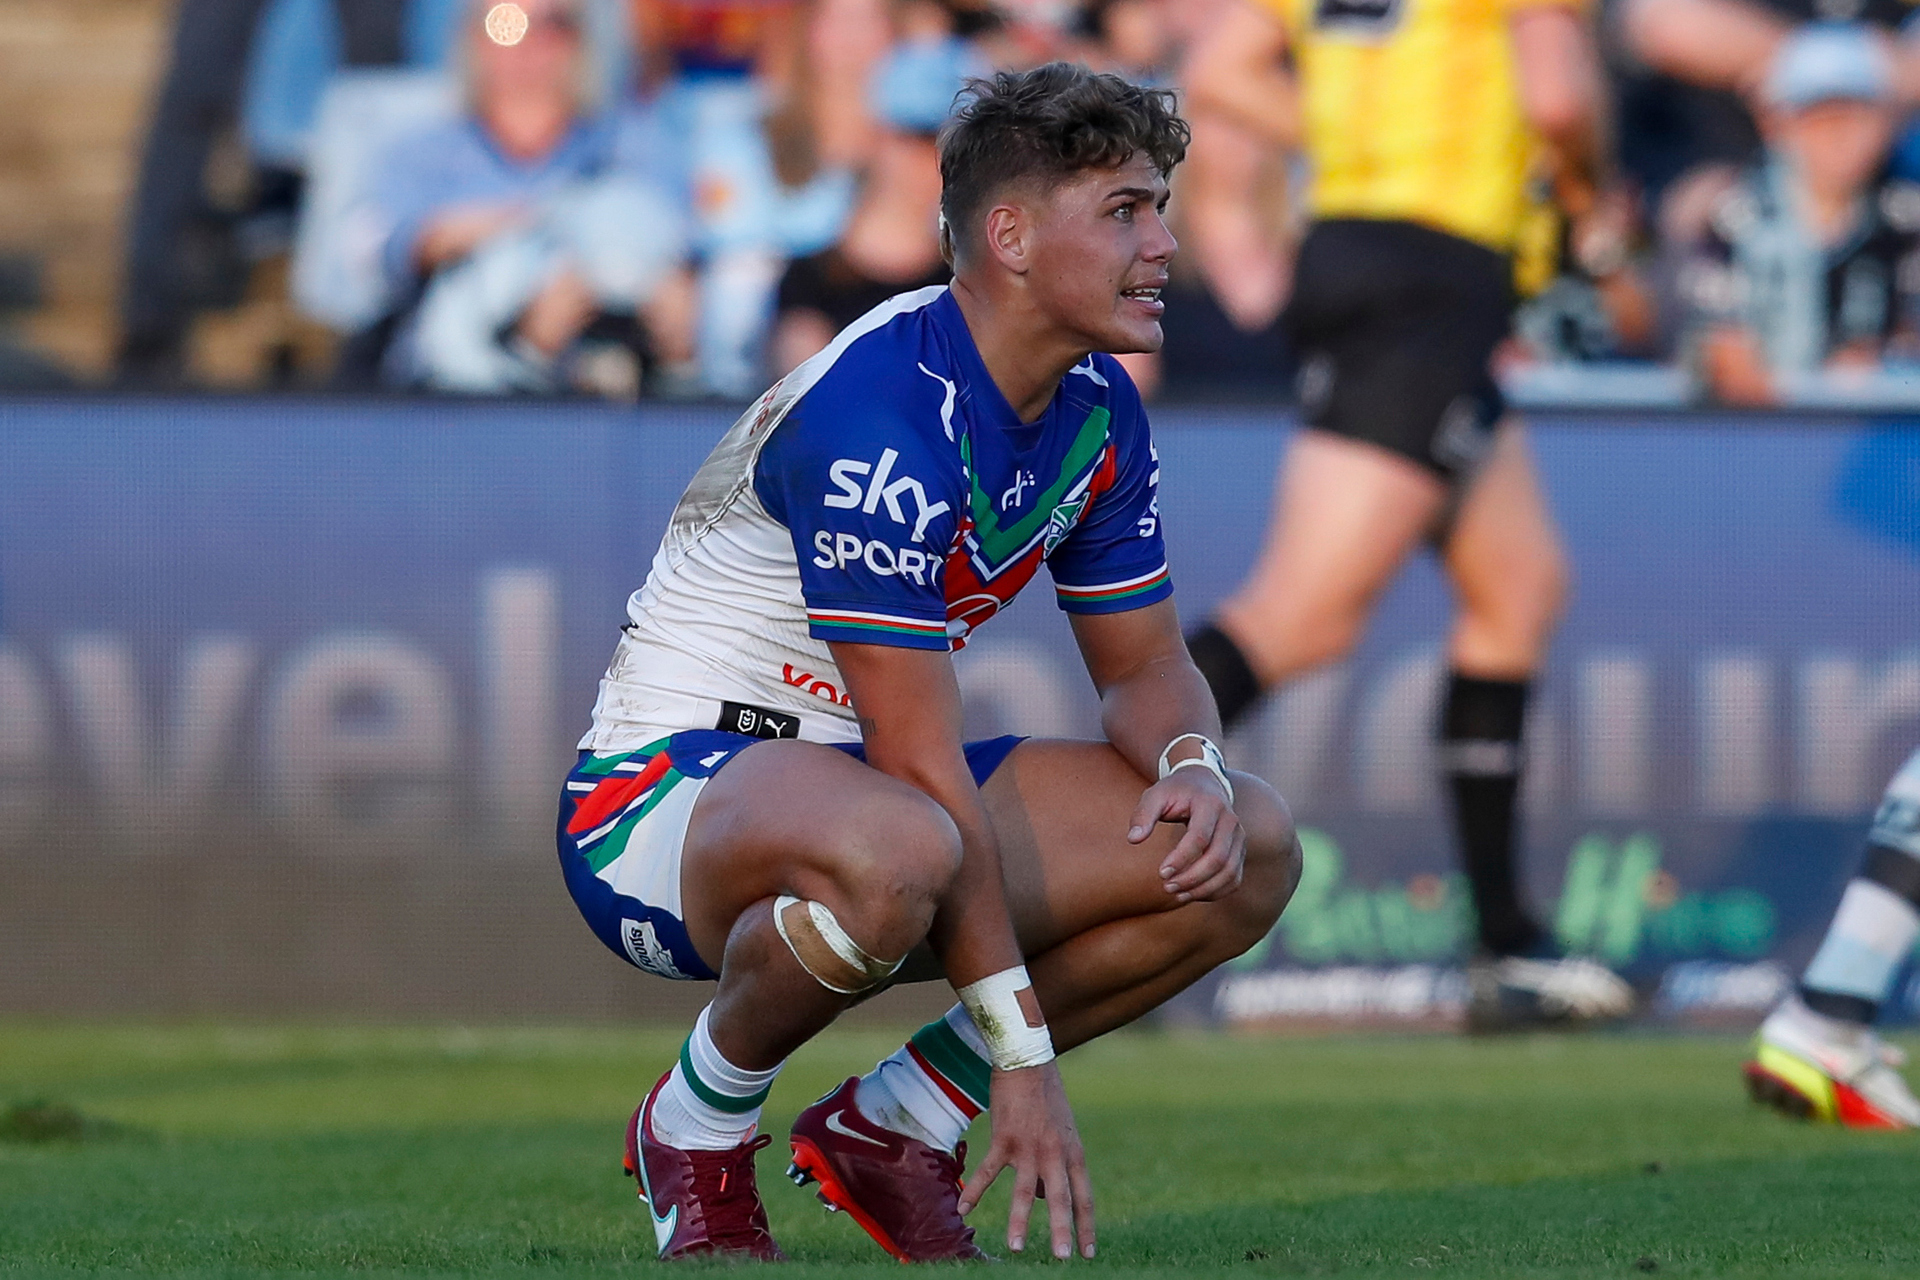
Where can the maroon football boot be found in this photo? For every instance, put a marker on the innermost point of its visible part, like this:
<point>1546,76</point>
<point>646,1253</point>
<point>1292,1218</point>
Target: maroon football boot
<point>701,1202</point>
<point>902,1192</point>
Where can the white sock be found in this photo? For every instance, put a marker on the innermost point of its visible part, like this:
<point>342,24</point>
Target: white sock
<point>709,1104</point>
<point>908,1093</point>
<point>1869,939</point>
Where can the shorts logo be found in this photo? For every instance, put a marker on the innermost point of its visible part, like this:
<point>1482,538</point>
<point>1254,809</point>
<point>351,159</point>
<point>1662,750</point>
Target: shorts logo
<point>757,722</point>
<point>1465,434</point>
<point>644,949</point>
<point>1316,384</point>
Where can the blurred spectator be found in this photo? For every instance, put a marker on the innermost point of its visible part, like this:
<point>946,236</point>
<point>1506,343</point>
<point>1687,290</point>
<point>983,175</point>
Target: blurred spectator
<point>1132,37</point>
<point>21,367</point>
<point>183,250</point>
<point>892,242</point>
<point>1235,206</point>
<point>527,230</point>
<point>716,70</point>
<point>1688,91</point>
<point>1808,261</point>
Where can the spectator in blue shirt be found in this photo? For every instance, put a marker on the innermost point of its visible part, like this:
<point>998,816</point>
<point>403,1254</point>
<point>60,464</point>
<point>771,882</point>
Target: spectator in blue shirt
<point>533,221</point>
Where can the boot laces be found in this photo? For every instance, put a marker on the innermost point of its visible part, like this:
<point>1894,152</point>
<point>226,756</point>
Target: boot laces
<point>723,1182</point>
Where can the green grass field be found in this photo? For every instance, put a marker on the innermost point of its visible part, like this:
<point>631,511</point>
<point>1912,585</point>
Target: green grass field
<point>221,1151</point>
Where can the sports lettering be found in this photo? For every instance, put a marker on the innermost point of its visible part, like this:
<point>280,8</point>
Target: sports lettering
<point>818,688</point>
<point>838,550</point>
<point>881,488</point>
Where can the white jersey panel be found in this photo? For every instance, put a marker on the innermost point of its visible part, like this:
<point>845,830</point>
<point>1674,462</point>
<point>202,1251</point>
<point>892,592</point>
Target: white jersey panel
<point>722,617</point>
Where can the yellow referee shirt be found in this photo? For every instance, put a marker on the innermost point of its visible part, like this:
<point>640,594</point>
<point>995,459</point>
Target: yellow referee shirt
<point>1413,112</point>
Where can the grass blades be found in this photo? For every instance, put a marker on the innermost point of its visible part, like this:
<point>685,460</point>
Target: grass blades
<point>224,1151</point>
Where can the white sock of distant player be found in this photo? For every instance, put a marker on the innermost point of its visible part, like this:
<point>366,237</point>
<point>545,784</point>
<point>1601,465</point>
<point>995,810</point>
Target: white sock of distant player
<point>933,1086</point>
<point>1871,935</point>
<point>708,1103</point>
<point>1873,932</point>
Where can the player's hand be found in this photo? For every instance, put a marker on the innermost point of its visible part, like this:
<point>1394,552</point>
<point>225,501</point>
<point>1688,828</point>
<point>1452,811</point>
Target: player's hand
<point>1034,1135</point>
<point>1207,862</point>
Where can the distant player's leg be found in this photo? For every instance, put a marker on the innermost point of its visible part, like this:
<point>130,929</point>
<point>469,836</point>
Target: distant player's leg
<point>1509,574</point>
<point>1347,514</point>
<point>807,876</point>
<point>1105,943</point>
<point>1361,488</point>
<point>1816,1055</point>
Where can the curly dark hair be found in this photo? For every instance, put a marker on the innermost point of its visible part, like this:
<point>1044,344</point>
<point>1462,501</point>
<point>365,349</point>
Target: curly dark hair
<point>1050,122</point>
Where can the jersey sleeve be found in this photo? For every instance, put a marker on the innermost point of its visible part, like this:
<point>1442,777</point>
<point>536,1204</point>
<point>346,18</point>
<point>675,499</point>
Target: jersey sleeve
<point>1115,559</point>
<point>872,511</point>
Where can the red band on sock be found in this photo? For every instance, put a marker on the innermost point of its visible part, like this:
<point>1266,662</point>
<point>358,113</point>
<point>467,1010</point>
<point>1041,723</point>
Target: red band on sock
<point>955,1095</point>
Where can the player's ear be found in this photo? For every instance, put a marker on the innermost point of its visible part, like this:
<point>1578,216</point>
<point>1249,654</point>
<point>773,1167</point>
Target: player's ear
<point>1008,232</point>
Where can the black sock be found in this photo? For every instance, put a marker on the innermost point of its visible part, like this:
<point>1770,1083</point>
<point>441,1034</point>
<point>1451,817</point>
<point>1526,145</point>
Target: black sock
<point>1235,687</point>
<point>1481,757</point>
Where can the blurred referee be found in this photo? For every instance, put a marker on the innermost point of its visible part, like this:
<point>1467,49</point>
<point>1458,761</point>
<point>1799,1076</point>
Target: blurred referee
<point>1429,126</point>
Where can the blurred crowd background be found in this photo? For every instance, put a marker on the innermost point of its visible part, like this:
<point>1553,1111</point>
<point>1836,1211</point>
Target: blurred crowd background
<point>679,199</point>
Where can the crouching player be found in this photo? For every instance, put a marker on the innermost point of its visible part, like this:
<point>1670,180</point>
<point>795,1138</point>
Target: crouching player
<point>775,792</point>
<point>1816,1055</point>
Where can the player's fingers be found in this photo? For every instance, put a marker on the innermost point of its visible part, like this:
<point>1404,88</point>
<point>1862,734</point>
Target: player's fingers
<point>1060,1208</point>
<point>1226,855</point>
<point>1192,846</point>
<point>1216,853</point>
<point>1152,808</point>
<point>1082,1185</point>
<point>982,1178</point>
<point>1020,1210</point>
<point>1217,888</point>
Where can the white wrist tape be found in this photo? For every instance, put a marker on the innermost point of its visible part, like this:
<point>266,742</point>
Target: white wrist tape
<point>1008,1014</point>
<point>1209,759</point>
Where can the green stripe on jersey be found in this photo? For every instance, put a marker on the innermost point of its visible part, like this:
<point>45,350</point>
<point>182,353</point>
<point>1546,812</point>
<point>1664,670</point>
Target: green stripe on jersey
<point>713,1097</point>
<point>948,1054</point>
<point>931,631</point>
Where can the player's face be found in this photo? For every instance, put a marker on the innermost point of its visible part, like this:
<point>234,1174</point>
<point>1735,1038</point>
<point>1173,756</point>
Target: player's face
<point>1100,249</point>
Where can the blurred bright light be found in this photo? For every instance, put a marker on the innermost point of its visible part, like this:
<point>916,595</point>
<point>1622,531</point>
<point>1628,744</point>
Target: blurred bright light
<point>506,24</point>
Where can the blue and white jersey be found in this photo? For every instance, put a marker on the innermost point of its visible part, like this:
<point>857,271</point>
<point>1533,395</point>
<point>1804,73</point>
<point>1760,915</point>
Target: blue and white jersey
<point>884,492</point>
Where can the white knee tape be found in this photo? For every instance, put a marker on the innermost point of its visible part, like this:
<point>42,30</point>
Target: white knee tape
<point>807,931</point>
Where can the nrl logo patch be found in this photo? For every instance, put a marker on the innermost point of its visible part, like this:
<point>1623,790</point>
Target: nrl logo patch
<point>643,947</point>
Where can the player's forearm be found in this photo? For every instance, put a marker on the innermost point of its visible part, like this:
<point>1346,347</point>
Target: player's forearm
<point>911,723</point>
<point>1163,699</point>
<point>972,934</point>
<point>1721,44</point>
<point>1236,71</point>
<point>1563,94</point>
<point>1268,104</point>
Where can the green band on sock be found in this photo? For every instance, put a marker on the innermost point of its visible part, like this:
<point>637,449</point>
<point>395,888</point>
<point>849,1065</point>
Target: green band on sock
<point>948,1054</point>
<point>707,1094</point>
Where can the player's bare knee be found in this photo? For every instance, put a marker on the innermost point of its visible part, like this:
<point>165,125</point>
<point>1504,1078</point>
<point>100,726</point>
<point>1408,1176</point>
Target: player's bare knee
<point>897,864</point>
<point>824,948</point>
<point>922,848</point>
<point>1273,863</point>
<point>1527,596</point>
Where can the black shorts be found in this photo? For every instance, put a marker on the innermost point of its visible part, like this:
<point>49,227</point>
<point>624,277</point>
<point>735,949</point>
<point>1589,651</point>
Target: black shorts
<point>1396,324</point>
